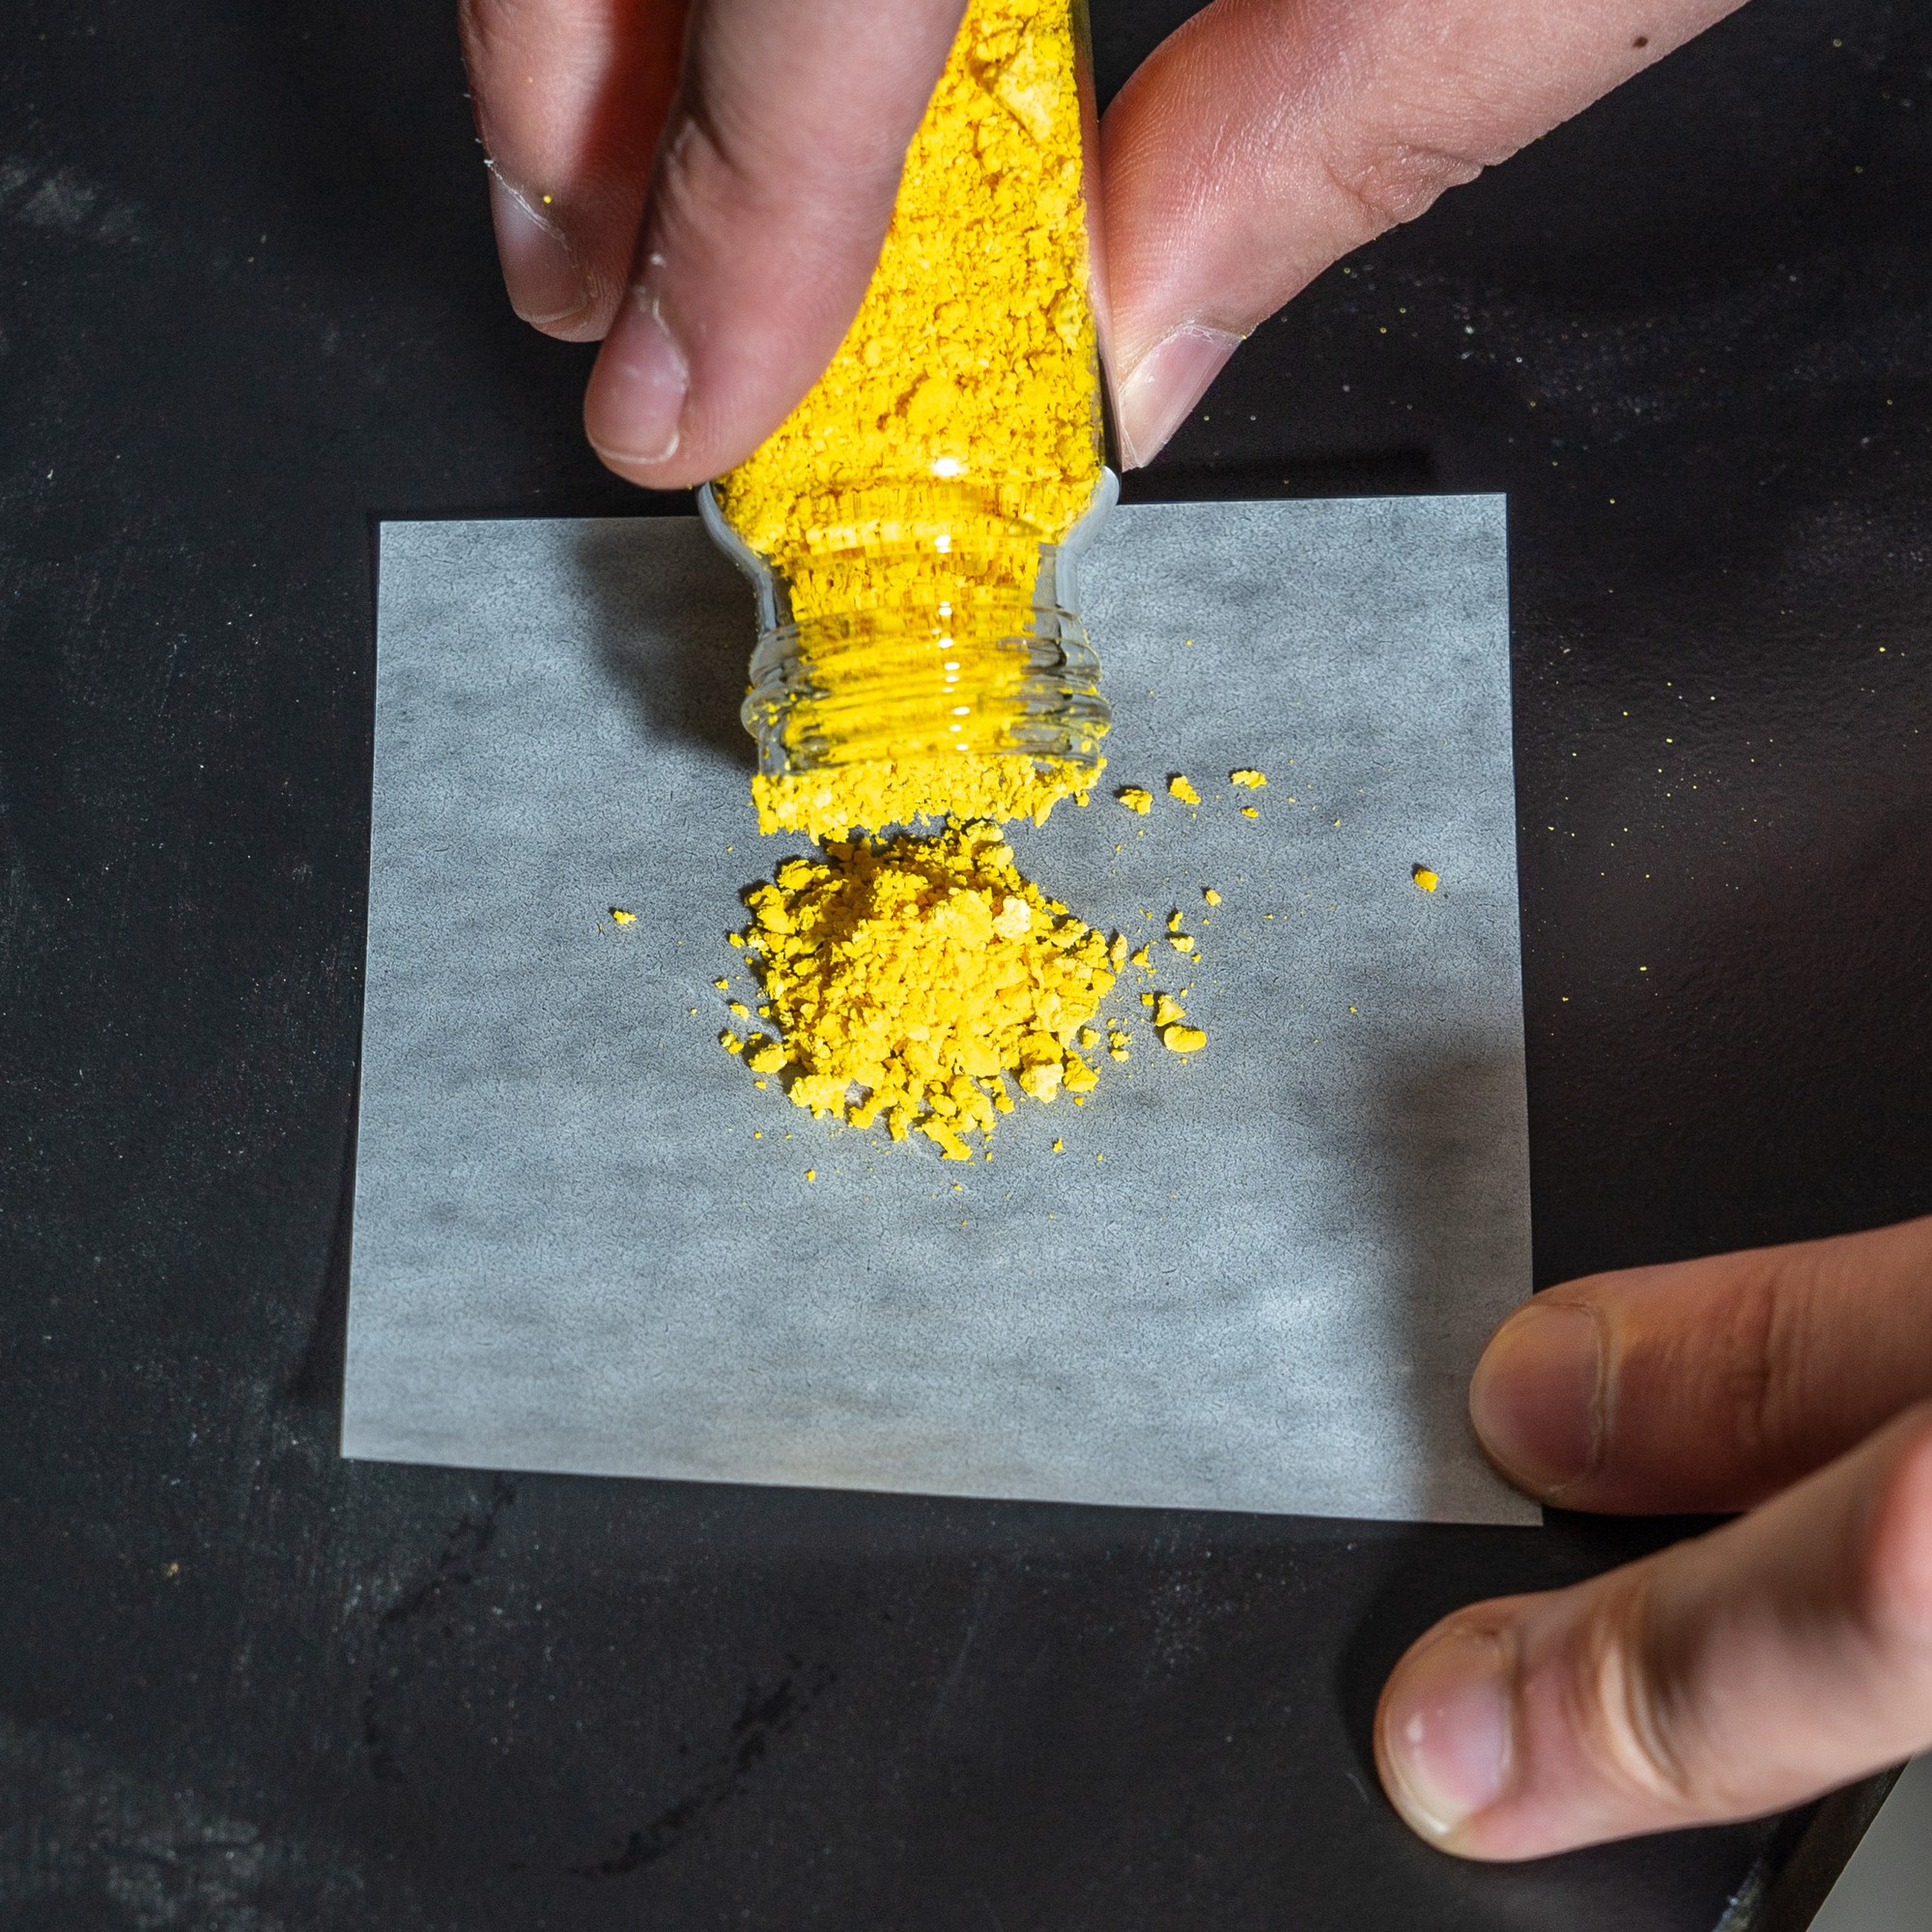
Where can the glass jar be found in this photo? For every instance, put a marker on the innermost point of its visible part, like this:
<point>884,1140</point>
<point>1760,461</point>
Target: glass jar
<point>914,527</point>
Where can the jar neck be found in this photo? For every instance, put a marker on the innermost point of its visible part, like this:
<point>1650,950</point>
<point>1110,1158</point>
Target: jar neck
<point>918,621</point>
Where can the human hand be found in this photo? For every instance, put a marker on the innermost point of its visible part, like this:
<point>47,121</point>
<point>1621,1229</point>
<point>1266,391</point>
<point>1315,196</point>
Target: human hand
<point>1750,1670</point>
<point>1256,146</point>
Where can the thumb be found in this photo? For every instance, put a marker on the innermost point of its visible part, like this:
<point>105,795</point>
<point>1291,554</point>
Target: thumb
<point>772,192</point>
<point>1780,1655</point>
<point>1267,138</point>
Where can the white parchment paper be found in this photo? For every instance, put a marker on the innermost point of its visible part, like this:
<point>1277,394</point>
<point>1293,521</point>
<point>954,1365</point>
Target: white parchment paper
<point>1255,1279</point>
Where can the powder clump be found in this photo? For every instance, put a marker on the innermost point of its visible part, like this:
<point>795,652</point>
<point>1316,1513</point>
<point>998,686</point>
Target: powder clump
<point>912,978</point>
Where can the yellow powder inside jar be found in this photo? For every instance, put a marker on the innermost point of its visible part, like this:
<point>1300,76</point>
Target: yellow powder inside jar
<point>912,978</point>
<point>904,504</point>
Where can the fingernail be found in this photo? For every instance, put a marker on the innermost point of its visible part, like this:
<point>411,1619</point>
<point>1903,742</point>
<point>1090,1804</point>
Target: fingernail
<point>1445,1731</point>
<point>635,406</point>
<point>1165,384</point>
<point>542,279</point>
<point>1537,1397</point>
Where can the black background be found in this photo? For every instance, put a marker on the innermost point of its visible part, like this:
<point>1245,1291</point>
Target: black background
<point>251,306</point>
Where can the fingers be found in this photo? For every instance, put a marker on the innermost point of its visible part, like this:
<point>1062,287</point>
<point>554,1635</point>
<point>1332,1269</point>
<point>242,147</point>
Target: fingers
<point>773,188</point>
<point>1267,138</point>
<point>1710,1384</point>
<point>570,98</point>
<point>1778,1657</point>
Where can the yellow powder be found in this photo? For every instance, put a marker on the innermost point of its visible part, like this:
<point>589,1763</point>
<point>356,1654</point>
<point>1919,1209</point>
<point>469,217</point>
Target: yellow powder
<point>911,978</point>
<point>1178,787</point>
<point>832,803</point>
<point>1135,799</point>
<point>1249,777</point>
<point>1424,878</point>
<point>905,500</point>
<point>1209,894</point>
<point>1184,1038</point>
<point>621,916</point>
<point>1248,811</point>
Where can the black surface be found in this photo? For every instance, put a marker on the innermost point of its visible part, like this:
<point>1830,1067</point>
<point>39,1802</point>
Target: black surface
<point>249,307</point>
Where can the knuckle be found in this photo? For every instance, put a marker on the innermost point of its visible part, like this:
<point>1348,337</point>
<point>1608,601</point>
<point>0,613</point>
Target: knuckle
<point>1620,1712</point>
<point>1765,1391</point>
<point>1394,180</point>
<point>1895,1578</point>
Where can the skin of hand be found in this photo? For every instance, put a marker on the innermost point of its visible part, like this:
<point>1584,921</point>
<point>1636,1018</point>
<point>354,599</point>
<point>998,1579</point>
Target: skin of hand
<point>705,185</point>
<point>1748,1669</point>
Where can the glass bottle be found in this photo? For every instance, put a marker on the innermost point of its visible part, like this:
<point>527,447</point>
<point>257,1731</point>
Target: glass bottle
<point>913,528</point>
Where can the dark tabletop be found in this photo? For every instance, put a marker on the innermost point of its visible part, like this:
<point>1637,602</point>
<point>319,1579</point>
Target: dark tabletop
<point>251,306</point>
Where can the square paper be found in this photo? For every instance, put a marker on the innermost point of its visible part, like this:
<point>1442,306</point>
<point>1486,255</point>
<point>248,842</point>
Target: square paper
<point>1254,1279</point>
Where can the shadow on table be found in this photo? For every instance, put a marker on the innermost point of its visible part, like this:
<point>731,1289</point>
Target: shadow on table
<point>1448,1133</point>
<point>672,627</point>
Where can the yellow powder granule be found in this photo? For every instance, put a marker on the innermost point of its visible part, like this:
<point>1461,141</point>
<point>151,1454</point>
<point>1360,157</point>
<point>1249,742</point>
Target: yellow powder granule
<point>1209,894</point>
<point>1136,799</point>
<point>834,802</point>
<point>621,916</point>
<point>1182,1038</point>
<point>1424,877</point>
<point>1249,777</point>
<point>1178,787</point>
<point>1248,811</point>
<point>911,978</point>
<point>905,500</point>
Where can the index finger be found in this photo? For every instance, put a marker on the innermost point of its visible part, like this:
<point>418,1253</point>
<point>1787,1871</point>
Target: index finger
<point>570,98</point>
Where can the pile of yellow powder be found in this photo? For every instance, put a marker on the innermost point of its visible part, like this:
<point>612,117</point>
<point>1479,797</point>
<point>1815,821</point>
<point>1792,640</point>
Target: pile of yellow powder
<point>904,503</point>
<point>911,979</point>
